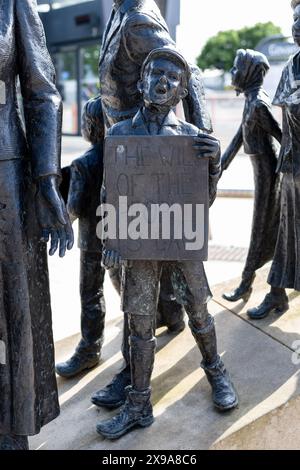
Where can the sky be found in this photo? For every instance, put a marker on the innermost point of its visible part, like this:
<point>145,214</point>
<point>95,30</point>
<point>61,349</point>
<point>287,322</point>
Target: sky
<point>201,19</point>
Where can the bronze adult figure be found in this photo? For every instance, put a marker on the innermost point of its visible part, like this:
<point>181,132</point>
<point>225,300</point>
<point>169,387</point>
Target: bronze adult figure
<point>285,270</point>
<point>31,211</point>
<point>256,133</point>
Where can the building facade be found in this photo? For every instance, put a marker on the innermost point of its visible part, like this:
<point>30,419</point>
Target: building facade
<point>74,30</point>
<point>278,49</point>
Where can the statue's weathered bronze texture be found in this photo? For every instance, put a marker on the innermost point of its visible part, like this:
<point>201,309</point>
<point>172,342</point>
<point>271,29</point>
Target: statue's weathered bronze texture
<point>31,211</point>
<point>256,133</point>
<point>285,272</point>
<point>163,85</point>
<point>86,175</point>
<point>173,175</point>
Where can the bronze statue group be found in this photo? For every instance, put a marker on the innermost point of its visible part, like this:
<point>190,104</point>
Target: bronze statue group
<point>143,77</point>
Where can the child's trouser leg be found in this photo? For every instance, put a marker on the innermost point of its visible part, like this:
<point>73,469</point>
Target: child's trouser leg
<point>92,302</point>
<point>169,312</point>
<point>140,298</point>
<point>142,351</point>
<point>88,351</point>
<point>203,329</point>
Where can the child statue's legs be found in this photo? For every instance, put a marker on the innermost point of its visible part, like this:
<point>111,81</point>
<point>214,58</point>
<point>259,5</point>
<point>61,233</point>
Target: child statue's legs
<point>137,410</point>
<point>169,312</point>
<point>142,350</point>
<point>203,329</point>
<point>88,351</point>
<point>140,298</point>
<point>224,395</point>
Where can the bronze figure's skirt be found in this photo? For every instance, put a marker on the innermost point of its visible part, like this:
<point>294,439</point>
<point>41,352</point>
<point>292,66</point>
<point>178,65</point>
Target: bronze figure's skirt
<point>28,390</point>
<point>266,212</point>
<point>285,270</point>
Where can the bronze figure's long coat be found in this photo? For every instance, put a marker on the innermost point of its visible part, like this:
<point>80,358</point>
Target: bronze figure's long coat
<point>27,151</point>
<point>257,133</point>
<point>285,271</point>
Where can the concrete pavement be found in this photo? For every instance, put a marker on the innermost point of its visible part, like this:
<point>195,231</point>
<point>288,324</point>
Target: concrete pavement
<point>258,355</point>
<point>277,430</point>
<point>285,328</point>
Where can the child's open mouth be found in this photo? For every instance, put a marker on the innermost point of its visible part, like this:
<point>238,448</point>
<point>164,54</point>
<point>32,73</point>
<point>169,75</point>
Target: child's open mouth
<point>161,90</point>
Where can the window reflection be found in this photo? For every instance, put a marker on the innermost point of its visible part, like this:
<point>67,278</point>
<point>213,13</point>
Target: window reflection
<point>67,84</point>
<point>89,58</point>
<point>46,5</point>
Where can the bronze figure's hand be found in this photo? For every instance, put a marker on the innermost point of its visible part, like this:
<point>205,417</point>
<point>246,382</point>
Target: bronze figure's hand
<point>111,259</point>
<point>53,217</point>
<point>207,146</point>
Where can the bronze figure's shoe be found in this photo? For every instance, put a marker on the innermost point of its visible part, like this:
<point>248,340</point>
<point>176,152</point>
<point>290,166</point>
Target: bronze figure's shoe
<point>114,394</point>
<point>13,442</point>
<point>177,327</point>
<point>243,292</point>
<point>223,392</point>
<point>278,304</point>
<point>76,364</point>
<point>136,412</point>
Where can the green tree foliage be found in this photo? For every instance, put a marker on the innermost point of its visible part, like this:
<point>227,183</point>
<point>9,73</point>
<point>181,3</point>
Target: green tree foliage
<point>220,50</point>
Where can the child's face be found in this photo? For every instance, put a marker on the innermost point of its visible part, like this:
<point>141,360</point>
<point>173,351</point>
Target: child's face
<point>162,83</point>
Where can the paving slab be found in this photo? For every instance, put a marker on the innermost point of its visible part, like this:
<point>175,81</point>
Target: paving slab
<point>261,367</point>
<point>278,430</point>
<point>284,328</point>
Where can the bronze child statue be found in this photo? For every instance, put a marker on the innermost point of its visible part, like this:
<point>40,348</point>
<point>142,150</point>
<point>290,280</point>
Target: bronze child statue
<point>256,133</point>
<point>285,271</point>
<point>163,84</point>
<point>135,28</point>
<point>86,175</point>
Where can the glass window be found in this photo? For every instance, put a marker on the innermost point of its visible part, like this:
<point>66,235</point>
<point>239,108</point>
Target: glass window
<point>44,8</point>
<point>66,3</point>
<point>67,84</point>
<point>89,58</point>
<point>46,5</point>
